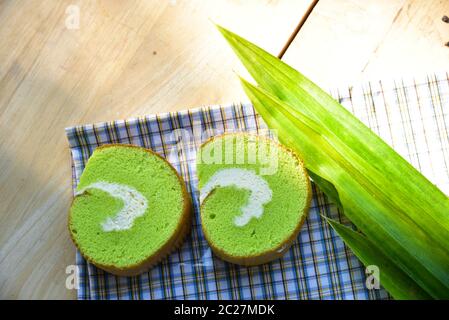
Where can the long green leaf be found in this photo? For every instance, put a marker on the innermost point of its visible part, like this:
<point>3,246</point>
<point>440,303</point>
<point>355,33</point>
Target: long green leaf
<point>286,83</point>
<point>404,205</point>
<point>373,182</point>
<point>396,238</point>
<point>399,284</point>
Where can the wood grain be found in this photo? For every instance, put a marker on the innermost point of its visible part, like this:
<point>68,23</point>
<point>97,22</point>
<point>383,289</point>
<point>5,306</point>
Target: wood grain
<point>130,58</point>
<point>127,58</point>
<point>348,41</point>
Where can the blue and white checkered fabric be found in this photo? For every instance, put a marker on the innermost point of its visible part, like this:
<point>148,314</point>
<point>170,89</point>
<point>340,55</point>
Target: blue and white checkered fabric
<point>410,115</point>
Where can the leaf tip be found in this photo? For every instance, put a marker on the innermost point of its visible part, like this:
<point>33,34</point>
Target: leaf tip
<point>247,86</point>
<point>225,32</point>
<point>332,222</point>
<point>213,22</point>
<point>243,80</point>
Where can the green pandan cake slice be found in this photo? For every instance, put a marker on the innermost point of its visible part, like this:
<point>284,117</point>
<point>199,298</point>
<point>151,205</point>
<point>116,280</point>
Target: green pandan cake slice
<point>254,195</point>
<point>131,209</point>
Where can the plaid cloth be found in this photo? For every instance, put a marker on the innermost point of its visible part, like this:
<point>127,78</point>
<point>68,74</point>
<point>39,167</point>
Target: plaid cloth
<point>411,115</point>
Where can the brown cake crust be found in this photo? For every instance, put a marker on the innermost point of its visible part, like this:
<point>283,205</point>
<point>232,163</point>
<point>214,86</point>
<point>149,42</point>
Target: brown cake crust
<point>175,241</point>
<point>280,250</point>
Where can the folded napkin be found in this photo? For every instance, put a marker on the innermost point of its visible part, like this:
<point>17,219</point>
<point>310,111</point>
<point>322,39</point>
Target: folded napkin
<point>411,115</point>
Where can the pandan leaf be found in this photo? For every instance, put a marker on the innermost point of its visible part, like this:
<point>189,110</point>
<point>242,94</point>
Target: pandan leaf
<point>373,214</point>
<point>399,284</point>
<point>403,215</point>
<point>288,85</point>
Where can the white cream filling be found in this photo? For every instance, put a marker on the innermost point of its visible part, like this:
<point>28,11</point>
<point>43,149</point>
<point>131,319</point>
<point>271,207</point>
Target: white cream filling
<point>244,179</point>
<point>134,204</point>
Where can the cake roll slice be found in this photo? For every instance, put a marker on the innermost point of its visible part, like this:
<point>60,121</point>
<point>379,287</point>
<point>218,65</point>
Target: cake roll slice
<point>254,194</point>
<point>130,210</point>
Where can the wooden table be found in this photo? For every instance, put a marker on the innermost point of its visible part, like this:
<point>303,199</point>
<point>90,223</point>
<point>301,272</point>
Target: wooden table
<point>130,58</point>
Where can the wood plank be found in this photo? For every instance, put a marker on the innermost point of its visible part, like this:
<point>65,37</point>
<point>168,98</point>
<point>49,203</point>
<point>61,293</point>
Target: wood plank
<point>347,41</point>
<point>127,58</point>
